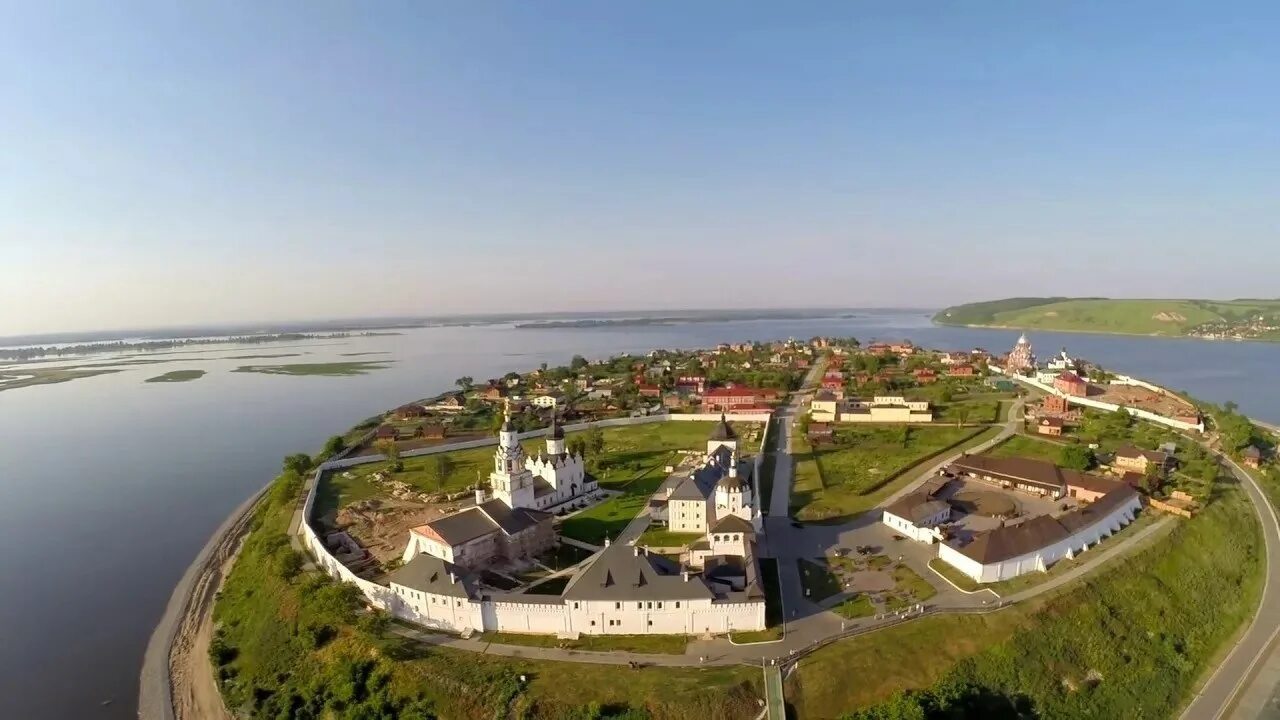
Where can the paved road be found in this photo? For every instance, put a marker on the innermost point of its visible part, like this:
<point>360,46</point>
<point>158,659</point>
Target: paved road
<point>1237,677</point>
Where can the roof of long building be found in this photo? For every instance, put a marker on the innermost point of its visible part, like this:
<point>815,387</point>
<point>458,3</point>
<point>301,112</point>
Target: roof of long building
<point>624,572</point>
<point>1011,541</point>
<point>430,574</point>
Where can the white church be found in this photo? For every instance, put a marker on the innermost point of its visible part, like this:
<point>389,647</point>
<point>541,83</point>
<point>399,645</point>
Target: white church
<point>515,523</point>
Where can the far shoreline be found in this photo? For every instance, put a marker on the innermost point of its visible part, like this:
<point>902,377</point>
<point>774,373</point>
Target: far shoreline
<point>1015,328</point>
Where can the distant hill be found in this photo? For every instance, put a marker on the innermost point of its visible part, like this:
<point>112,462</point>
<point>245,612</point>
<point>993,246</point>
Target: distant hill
<point>1235,319</point>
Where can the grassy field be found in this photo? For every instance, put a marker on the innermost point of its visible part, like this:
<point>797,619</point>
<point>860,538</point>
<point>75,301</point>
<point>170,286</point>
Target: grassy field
<point>177,376</point>
<point>837,481</point>
<point>629,452</point>
<point>329,369</point>
<point>1126,642</point>
<point>1132,317</point>
<point>661,537</point>
<point>652,644</point>
<point>290,644</point>
<point>857,607</point>
<point>1028,447</point>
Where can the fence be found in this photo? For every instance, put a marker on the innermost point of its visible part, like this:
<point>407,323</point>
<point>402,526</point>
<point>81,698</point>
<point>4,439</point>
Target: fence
<point>1111,407</point>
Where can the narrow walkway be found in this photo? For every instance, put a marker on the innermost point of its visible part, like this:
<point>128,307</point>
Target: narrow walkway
<point>774,700</point>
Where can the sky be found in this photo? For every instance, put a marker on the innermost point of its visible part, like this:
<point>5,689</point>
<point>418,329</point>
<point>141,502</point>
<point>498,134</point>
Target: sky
<point>181,163</point>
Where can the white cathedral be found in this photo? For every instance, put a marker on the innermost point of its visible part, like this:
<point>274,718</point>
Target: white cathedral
<point>513,523</point>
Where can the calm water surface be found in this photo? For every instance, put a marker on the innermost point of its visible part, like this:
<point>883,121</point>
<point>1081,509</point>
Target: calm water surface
<point>109,486</point>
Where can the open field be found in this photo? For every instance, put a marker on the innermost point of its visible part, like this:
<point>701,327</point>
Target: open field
<point>177,376</point>
<point>1126,642</point>
<point>1127,316</point>
<point>1029,447</point>
<point>837,481</point>
<point>289,639</point>
<point>629,452</point>
<point>661,537</point>
<point>323,369</point>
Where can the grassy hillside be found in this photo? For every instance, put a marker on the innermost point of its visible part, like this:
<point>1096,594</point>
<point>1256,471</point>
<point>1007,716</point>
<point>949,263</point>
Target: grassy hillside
<point>1136,317</point>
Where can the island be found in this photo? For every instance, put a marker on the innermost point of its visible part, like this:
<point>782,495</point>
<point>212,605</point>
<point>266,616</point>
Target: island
<point>1244,319</point>
<point>821,528</point>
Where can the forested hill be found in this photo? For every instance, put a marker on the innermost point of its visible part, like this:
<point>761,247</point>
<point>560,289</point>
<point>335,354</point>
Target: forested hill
<point>1244,319</point>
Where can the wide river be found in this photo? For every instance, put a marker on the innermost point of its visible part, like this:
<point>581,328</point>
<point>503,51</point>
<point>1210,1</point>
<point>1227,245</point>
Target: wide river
<point>109,486</point>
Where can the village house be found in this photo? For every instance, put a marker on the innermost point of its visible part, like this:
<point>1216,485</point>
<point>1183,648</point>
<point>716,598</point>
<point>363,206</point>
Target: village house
<point>820,432</point>
<point>925,376</point>
<point>647,390</point>
<point>1068,383</point>
<point>964,370</point>
<point>918,514</point>
<point>1050,426</point>
<point>431,431</point>
<point>1054,405</point>
<point>386,432</point>
<point>409,412</point>
<point>1252,456</point>
<point>1134,459</point>
<point>550,400</point>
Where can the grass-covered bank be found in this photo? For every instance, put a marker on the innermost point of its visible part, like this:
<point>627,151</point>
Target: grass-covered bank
<point>1128,642</point>
<point>292,644</point>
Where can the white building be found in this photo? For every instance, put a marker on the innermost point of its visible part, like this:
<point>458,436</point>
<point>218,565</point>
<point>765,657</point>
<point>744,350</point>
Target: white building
<point>1036,544</point>
<point>918,514</point>
<point>547,400</point>
<point>513,525</point>
<point>622,590</point>
<point>714,490</point>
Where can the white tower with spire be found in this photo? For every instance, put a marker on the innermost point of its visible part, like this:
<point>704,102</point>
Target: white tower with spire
<point>511,481</point>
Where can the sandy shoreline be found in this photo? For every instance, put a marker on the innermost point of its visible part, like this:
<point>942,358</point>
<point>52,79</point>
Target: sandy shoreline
<point>177,680</point>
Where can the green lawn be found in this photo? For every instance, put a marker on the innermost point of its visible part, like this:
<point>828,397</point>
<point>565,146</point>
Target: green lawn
<point>1028,447</point>
<point>957,578</point>
<point>1149,625</point>
<point>838,481</point>
<point>856,607</point>
<point>653,644</point>
<point>817,580</point>
<point>177,376</point>
<point>628,452</point>
<point>910,584</point>
<point>329,369</point>
<point>661,537</point>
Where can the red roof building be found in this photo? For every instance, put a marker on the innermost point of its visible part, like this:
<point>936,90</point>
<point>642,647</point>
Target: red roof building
<point>924,376</point>
<point>1069,383</point>
<point>965,370</point>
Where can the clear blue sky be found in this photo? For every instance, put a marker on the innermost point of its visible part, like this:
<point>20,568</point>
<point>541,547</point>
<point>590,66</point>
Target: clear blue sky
<point>163,163</point>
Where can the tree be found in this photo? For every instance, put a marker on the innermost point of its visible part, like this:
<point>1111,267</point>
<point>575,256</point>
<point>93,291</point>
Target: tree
<point>298,463</point>
<point>389,448</point>
<point>1075,457</point>
<point>334,445</point>
<point>577,363</point>
<point>962,415</point>
<point>465,383</point>
<point>576,446</point>
<point>904,435</point>
<point>594,440</point>
<point>439,468</point>
<point>1230,407</point>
